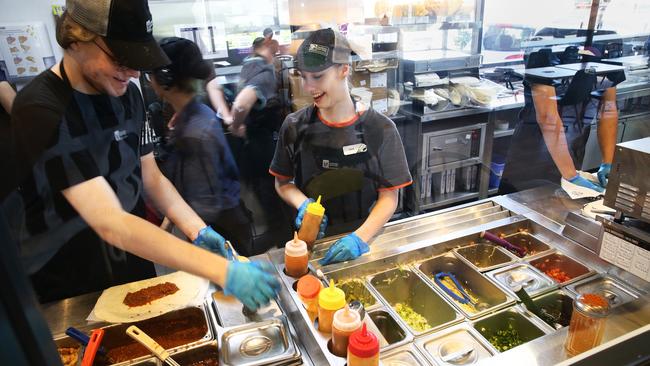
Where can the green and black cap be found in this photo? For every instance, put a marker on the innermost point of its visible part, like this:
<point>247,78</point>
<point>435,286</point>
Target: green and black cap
<point>322,49</point>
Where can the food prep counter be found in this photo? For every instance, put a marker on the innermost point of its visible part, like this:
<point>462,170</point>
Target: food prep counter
<point>418,318</point>
<point>416,314</point>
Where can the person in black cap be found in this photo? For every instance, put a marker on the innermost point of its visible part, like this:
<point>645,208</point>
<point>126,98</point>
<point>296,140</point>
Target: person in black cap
<point>353,158</point>
<point>199,162</point>
<point>256,118</point>
<point>82,143</point>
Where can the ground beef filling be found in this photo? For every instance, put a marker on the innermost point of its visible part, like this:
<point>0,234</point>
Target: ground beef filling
<point>147,295</point>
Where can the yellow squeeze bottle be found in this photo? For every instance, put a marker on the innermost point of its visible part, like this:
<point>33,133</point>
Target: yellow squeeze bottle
<point>311,223</point>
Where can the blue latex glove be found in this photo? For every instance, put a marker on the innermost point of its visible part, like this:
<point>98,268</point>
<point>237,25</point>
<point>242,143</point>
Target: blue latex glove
<point>347,248</point>
<point>211,240</point>
<point>252,283</point>
<point>582,182</point>
<point>301,214</point>
<point>603,173</point>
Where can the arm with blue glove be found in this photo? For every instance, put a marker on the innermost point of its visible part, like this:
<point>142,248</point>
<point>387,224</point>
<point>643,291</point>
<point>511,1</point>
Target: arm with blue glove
<point>603,173</point>
<point>211,240</point>
<point>355,244</point>
<point>254,283</point>
<point>294,197</point>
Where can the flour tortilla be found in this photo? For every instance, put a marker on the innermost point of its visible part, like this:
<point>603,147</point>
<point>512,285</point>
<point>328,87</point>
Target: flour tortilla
<point>110,305</point>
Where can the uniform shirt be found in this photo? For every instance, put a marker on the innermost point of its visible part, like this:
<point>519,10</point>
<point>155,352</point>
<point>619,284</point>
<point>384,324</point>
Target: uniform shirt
<point>361,157</point>
<point>256,73</point>
<point>68,137</point>
<point>200,163</point>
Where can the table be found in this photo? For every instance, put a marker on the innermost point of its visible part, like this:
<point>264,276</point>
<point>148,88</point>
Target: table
<point>599,67</point>
<point>549,72</point>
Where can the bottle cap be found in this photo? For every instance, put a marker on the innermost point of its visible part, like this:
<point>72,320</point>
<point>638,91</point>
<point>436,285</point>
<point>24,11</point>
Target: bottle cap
<point>593,305</point>
<point>315,208</point>
<point>363,343</point>
<point>346,320</point>
<point>308,286</point>
<point>295,247</point>
<point>331,298</point>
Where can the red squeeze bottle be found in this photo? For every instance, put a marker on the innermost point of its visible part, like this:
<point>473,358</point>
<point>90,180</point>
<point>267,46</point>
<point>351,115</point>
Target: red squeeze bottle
<point>363,348</point>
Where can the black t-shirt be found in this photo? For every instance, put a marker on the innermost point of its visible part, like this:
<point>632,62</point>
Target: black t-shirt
<point>63,137</point>
<point>346,163</point>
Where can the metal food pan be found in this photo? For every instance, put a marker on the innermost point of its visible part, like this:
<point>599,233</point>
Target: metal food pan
<point>613,290</point>
<point>404,286</point>
<point>526,325</point>
<point>458,345</point>
<point>370,301</point>
<point>573,269</point>
<point>262,343</point>
<point>490,296</point>
<point>406,355</point>
<point>558,304</point>
<point>532,280</point>
<point>204,355</point>
<point>528,241</point>
<point>390,333</point>
<point>168,330</point>
<point>484,256</point>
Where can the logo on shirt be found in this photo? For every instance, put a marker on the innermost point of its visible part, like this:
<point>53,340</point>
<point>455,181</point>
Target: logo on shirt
<point>119,135</point>
<point>330,164</point>
<point>149,25</point>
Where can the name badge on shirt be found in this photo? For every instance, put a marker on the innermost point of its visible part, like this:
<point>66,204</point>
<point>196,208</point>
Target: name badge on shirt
<point>119,135</point>
<point>354,149</point>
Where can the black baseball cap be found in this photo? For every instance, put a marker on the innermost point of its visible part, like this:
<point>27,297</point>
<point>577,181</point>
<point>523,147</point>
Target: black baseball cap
<point>322,49</point>
<point>186,58</point>
<point>126,27</point>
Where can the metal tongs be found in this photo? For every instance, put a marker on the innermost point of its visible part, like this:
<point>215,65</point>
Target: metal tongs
<point>153,346</point>
<point>465,297</point>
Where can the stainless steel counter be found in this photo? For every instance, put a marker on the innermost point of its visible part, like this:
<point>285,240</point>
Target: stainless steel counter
<point>411,242</point>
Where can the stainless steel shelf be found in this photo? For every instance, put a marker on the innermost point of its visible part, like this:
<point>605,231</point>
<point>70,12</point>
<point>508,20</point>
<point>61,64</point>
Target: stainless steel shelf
<point>447,199</point>
<point>492,191</point>
<point>452,165</point>
<point>503,133</point>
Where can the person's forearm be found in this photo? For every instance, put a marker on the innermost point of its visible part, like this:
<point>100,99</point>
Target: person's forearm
<point>242,105</point>
<point>552,129</point>
<point>608,125</point>
<point>139,237</point>
<point>379,215</point>
<point>218,100</point>
<point>7,96</point>
<point>168,201</point>
<point>107,218</point>
<point>289,193</point>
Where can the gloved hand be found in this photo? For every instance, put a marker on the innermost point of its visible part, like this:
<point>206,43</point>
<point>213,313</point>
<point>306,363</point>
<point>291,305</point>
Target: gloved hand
<point>301,214</point>
<point>582,182</point>
<point>603,173</point>
<point>211,240</point>
<point>348,247</point>
<point>252,283</point>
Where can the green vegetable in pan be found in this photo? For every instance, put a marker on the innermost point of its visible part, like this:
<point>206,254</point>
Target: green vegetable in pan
<point>505,339</point>
<point>412,318</point>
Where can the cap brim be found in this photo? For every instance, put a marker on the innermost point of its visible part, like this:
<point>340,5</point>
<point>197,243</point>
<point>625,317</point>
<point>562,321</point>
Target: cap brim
<point>142,56</point>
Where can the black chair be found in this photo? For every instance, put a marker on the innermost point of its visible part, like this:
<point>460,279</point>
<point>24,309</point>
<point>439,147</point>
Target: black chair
<point>578,94</point>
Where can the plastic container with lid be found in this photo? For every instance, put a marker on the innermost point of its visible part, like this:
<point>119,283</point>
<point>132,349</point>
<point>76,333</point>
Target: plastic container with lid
<point>363,348</point>
<point>308,289</point>
<point>587,325</point>
<point>296,257</point>
<point>345,322</point>
<point>311,223</point>
<point>330,300</point>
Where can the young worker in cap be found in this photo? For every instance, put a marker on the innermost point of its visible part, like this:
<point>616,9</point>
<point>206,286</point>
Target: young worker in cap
<point>78,136</point>
<point>354,159</point>
<point>199,163</point>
